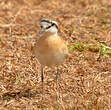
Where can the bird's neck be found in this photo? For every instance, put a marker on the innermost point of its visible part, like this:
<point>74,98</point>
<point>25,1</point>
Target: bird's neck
<point>50,34</point>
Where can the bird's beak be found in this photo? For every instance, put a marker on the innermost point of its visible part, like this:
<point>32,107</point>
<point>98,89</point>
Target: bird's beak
<point>42,30</point>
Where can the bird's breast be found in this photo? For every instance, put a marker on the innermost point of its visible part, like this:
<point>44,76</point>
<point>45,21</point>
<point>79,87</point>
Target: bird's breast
<point>51,50</point>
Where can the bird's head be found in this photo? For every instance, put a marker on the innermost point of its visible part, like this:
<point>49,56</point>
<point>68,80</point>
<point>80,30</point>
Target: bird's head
<point>48,26</point>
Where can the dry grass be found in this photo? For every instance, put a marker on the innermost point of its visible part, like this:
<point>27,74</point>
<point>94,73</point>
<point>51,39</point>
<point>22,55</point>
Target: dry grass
<point>85,78</point>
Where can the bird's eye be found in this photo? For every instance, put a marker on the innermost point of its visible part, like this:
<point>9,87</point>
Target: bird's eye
<point>41,26</point>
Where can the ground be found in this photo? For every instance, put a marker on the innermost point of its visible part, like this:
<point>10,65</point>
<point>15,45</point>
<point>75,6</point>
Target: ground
<point>84,81</point>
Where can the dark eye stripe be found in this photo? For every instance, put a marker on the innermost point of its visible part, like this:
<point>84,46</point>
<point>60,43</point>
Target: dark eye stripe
<point>41,26</point>
<point>55,25</point>
<point>52,25</point>
<point>48,27</point>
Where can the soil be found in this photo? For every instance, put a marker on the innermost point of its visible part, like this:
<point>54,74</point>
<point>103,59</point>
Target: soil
<point>84,81</point>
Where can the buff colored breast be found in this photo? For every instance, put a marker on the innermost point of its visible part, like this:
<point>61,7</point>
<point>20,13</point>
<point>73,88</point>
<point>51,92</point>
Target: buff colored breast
<point>50,49</point>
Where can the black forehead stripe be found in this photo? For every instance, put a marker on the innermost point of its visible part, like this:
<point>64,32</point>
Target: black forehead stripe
<point>44,20</point>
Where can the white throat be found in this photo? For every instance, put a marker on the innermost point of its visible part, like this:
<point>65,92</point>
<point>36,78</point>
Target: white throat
<point>53,30</point>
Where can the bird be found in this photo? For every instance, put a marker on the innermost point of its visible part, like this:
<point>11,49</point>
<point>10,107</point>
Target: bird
<point>50,49</point>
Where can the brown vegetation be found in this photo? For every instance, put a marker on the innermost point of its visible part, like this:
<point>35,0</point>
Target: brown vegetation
<point>85,77</point>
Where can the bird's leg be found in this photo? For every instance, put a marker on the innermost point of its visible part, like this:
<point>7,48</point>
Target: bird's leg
<point>42,76</point>
<point>57,75</point>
